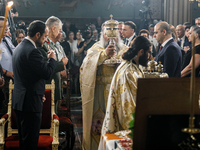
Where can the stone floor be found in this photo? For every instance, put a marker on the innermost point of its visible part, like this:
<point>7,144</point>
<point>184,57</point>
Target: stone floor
<point>76,117</point>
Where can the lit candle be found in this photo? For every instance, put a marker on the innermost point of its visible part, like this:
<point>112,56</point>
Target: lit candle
<point>9,5</point>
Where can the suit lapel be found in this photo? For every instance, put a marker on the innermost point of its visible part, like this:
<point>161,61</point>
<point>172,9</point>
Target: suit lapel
<point>165,47</point>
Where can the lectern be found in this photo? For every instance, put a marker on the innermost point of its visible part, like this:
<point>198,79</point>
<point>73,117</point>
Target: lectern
<point>162,110</point>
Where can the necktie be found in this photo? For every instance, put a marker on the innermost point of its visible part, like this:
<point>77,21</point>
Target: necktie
<point>160,48</point>
<point>127,42</point>
<point>6,43</point>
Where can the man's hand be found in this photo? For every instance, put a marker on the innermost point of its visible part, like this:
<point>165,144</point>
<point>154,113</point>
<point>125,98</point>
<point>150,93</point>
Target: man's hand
<point>43,98</point>
<point>63,74</point>
<point>10,74</point>
<point>2,81</point>
<point>110,50</point>
<point>65,60</point>
<point>51,54</point>
<point>84,44</point>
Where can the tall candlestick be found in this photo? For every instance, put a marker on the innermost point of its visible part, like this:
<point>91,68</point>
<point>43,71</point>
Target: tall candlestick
<point>9,5</point>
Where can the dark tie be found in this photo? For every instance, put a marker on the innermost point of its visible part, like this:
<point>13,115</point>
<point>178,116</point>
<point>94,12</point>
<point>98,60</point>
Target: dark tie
<point>6,43</point>
<point>126,42</point>
<point>160,48</point>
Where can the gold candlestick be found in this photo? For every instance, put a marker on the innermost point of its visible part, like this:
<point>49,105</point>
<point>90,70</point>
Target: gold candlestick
<point>191,129</point>
<point>9,5</point>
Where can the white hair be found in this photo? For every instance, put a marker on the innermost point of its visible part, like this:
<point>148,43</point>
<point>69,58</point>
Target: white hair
<point>53,21</point>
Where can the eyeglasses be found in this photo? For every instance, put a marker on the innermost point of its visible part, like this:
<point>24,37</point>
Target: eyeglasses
<point>20,37</point>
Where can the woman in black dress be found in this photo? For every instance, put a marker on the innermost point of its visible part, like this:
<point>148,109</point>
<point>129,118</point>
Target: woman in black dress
<point>187,61</point>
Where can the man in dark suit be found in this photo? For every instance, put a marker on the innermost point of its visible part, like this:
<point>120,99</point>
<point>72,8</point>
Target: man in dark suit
<point>183,41</point>
<point>170,55</point>
<point>31,71</point>
<point>128,31</point>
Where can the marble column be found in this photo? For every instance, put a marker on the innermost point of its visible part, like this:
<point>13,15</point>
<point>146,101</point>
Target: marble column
<point>177,11</point>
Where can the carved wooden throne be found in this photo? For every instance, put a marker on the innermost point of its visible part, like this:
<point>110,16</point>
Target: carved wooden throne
<point>48,138</point>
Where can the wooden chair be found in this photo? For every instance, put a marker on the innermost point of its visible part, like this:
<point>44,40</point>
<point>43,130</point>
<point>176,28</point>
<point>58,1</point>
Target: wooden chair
<point>64,113</point>
<point>48,138</point>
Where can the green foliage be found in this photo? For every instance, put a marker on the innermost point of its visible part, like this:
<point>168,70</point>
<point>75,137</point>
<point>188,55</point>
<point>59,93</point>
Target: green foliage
<point>131,124</point>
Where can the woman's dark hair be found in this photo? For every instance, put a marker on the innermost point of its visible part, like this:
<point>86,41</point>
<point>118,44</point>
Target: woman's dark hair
<point>18,31</point>
<point>35,27</point>
<point>79,31</point>
<point>140,42</point>
<point>69,34</point>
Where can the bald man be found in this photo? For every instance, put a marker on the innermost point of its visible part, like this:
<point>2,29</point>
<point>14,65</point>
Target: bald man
<point>170,52</point>
<point>182,39</point>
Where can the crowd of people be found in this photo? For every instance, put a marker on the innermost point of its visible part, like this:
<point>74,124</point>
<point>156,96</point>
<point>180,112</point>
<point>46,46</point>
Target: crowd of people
<point>49,50</point>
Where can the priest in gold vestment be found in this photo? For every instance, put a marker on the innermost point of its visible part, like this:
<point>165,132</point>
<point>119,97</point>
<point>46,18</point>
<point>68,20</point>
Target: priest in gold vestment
<point>122,95</point>
<point>95,79</point>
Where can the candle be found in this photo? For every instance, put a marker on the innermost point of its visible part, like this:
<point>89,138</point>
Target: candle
<point>9,5</point>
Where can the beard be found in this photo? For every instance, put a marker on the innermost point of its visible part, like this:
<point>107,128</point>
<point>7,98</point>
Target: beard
<point>38,43</point>
<point>143,60</point>
<point>104,43</point>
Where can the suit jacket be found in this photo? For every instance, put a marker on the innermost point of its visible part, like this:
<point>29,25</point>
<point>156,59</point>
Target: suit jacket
<point>56,75</point>
<point>171,58</point>
<point>30,72</point>
<point>186,43</point>
<point>130,41</point>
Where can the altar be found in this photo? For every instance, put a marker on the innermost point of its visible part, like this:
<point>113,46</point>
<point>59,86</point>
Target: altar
<point>114,142</point>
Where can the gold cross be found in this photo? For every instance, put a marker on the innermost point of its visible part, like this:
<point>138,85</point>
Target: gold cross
<point>111,16</point>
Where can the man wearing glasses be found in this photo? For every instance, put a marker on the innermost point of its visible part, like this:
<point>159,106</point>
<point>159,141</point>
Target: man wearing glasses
<point>197,21</point>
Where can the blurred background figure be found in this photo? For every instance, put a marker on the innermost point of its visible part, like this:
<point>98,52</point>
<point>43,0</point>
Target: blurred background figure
<point>182,39</point>
<point>86,44</point>
<point>95,35</point>
<point>66,47</point>
<point>174,35</point>
<point>21,25</point>
<point>68,26</point>
<point>187,61</point>
<point>19,36</point>
<point>186,24</point>
<point>79,37</point>
<point>92,27</point>
<point>145,33</point>
<point>98,24</point>
<point>197,21</point>
<point>120,29</point>
<point>75,64</point>
<point>151,37</point>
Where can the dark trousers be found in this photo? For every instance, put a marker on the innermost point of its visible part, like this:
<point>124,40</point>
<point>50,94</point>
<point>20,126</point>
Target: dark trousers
<point>28,129</point>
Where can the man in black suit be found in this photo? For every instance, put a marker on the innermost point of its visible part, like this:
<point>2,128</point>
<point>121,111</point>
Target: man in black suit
<point>170,55</point>
<point>31,71</point>
<point>183,41</point>
<point>128,31</point>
